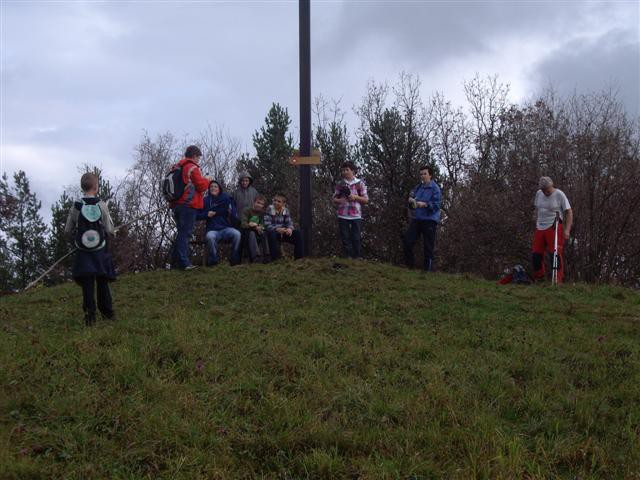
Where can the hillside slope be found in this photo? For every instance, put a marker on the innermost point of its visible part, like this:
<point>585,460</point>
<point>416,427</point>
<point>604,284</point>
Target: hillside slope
<point>314,369</point>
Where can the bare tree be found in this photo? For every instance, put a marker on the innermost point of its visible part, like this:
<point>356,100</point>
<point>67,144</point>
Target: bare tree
<point>220,152</point>
<point>602,176</point>
<point>488,101</point>
<point>450,141</point>
<point>142,198</point>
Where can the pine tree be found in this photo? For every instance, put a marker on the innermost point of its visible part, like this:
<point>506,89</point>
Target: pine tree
<point>58,244</point>
<point>26,233</point>
<point>7,212</point>
<point>274,145</point>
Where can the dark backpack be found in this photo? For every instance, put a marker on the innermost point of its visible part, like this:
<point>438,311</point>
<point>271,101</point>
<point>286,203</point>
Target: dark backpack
<point>517,275</point>
<point>90,233</point>
<point>520,275</point>
<point>173,183</point>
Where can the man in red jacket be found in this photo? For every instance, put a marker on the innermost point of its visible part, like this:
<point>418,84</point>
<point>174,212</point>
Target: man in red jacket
<point>185,208</point>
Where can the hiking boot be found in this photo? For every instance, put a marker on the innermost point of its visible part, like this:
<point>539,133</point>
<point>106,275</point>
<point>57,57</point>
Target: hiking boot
<point>89,319</point>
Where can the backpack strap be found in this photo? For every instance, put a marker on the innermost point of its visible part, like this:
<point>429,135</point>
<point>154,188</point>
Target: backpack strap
<point>190,170</point>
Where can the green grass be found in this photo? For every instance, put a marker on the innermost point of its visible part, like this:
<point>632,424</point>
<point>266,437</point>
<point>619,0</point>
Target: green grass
<point>299,370</point>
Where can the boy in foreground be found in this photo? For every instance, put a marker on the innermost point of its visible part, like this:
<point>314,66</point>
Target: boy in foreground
<point>89,223</point>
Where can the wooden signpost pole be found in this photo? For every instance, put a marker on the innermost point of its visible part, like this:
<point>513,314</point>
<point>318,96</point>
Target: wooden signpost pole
<point>305,122</point>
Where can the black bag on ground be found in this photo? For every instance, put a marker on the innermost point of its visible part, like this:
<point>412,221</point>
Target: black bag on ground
<point>520,275</point>
<point>517,275</point>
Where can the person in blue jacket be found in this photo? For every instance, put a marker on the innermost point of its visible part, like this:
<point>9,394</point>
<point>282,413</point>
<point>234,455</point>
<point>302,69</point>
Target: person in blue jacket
<point>220,214</point>
<point>424,200</point>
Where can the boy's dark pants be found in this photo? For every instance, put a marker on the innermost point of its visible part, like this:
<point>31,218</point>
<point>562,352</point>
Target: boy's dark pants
<point>185,221</point>
<point>252,241</point>
<point>274,238</point>
<point>351,236</point>
<point>428,230</point>
<point>104,295</point>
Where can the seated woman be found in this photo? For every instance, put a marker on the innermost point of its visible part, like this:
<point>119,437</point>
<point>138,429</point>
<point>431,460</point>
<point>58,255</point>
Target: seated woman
<point>219,213</point>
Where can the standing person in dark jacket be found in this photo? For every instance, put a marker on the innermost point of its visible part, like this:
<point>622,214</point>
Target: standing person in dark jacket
<point>424,200</point>
<point>186,207</point>
<point>218,211</point>
<point>89,223</point>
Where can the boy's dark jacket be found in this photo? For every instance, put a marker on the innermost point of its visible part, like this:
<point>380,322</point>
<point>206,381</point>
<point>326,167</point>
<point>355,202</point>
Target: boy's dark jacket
<point>222,204</point>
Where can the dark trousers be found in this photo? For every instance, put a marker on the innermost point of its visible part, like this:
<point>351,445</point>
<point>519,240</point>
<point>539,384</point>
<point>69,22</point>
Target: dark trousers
<point>254,243</point>
<point>185,221</point>
<point>275,239</point>
<point>351,236</point>
<point>428,230</point>
<point>88,297</point>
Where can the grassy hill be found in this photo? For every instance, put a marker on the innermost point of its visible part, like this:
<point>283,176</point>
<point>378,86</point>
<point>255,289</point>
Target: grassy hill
<point>305,370</point>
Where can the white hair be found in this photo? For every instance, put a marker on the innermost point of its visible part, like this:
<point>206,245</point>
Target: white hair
<point>545,182</point>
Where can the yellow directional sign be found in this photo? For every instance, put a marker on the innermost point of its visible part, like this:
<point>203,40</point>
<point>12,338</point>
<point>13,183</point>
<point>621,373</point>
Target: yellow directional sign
<point>314,159</point>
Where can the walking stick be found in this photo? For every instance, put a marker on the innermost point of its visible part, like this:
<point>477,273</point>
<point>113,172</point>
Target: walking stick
<point>556,258</point>
<point>74,249</point>
<point>49,269</point>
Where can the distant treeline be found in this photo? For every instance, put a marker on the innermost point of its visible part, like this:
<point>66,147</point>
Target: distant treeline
<point>487,156</point>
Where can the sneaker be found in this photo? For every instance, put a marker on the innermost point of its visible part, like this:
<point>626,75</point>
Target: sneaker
<point>190,267</point>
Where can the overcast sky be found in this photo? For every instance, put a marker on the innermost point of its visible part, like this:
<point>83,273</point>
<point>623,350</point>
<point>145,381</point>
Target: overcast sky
<point>81,81</point>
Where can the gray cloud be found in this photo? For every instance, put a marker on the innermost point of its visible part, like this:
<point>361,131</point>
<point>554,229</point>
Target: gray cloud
<point>426,33</point>
<point>611,62</point>
<point>81,81</point>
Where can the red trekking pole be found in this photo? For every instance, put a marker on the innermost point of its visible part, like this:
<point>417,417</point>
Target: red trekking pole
<point>556,257</point>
